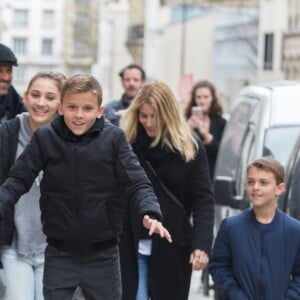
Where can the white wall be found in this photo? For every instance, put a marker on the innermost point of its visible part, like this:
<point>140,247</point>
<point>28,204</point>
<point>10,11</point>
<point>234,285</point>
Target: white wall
<point>113,54</point>
<point>273,19</point>
<point>216,47</point>
<point>235,56</point>
<point>197,56</point>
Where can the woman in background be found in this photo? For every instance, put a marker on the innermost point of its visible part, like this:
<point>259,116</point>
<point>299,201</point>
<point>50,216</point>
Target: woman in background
<point>204,116</point>
<point>155,127</point>
<point>208,125</point>
<point>23,255</point>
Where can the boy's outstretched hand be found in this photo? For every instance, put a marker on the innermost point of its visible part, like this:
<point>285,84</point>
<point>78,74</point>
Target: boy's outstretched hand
<point>157,227</point>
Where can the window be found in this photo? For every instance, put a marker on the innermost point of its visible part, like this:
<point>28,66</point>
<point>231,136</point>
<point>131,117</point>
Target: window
<point>136,32</point>
<point>279,142</point>
<point>20,77</point>
<point>82,2</point>
<point>47,45</point>
<point>82,20</point>
<point>290,201</point>
<point>48,19</point>
<point>81,49</point>
<point>268,54</point>
<point>233,138</point>
<point>246,154</point>
<point>20,18</point>
<point>20,46</point>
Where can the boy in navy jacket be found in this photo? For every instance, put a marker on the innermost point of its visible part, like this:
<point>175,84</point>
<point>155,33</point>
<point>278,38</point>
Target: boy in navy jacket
<point>256,255</point>
<point>87,165</point>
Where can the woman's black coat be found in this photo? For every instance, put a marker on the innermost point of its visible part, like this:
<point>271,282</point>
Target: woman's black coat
<point>170,271</point>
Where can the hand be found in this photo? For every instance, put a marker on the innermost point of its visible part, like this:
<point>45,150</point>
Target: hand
<point>193,122</point>
<point>157,227</point>
<point>199,260</point>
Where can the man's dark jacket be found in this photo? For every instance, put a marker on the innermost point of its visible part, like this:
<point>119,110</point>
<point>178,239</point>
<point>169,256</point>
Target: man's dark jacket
<point>11,105</point>
<point>114,109</point>
<point>82,188</point>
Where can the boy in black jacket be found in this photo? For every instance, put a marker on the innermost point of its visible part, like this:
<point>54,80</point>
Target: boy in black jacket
<point>87,165</point>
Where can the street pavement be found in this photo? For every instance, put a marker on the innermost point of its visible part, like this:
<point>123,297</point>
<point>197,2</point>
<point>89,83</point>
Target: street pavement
<point>196,293</point>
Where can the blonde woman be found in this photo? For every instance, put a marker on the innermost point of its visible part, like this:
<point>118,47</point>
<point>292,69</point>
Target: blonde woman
<point>177,166</point>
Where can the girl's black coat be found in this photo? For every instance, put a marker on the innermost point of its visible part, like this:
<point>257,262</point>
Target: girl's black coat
<point>9,131</point>
<point>170,270</point>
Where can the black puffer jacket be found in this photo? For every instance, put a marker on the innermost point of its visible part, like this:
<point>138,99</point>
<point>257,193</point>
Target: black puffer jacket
<point>84,180</point>
<point>9,131</point>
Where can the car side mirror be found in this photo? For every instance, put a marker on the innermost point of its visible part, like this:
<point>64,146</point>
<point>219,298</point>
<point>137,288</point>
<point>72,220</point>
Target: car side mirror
<point>225,193</point>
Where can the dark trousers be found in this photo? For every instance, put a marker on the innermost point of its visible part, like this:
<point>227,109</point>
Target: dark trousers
<point>98,275</point>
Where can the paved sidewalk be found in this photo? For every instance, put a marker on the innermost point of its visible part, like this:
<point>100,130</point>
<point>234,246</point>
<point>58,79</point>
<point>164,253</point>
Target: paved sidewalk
<point>195,292</point>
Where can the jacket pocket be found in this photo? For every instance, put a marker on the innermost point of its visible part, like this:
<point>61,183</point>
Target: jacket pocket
<point>115,212</point>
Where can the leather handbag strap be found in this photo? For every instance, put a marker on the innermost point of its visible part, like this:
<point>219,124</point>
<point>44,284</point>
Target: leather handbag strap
<point>163,186</point>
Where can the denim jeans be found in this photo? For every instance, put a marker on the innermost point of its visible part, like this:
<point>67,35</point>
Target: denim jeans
<point>98,274</point>
<point>23,275</point>
<point>143,289</point>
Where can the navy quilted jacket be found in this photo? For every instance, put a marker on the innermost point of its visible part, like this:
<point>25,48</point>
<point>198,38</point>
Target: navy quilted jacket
<point>254,261</point>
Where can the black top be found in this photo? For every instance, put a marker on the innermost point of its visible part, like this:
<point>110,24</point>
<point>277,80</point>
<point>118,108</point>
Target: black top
<point>217,125</point>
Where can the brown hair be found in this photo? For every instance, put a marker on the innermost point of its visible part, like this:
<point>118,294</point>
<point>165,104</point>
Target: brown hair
<point>269,164</point>
<point>82,83</point>
<point>216,107</point>
<point>133,66</point>
<point>57,77</point>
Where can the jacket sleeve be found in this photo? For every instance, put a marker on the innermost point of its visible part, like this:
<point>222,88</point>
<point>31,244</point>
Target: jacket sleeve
<point>21,176</point>
<point>135,182</point>
<point>220,266</point>
<point>200,192</point>
<point>111,112</point>
<point>293,292</point>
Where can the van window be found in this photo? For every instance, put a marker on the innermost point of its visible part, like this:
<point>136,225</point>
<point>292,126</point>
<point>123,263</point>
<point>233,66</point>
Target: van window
<point>234,136</point>
<point>245,156</point>
<point>293,190</point>
<point>280,141</point>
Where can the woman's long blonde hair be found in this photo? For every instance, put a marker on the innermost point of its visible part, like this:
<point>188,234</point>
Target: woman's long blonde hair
<point>171,128</point>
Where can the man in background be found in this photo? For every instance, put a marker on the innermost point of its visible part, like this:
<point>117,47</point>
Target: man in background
<point>10,101</point>
<point>132,77</point>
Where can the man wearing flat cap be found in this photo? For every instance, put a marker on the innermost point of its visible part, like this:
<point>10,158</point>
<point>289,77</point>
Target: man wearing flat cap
<point>10,101</point>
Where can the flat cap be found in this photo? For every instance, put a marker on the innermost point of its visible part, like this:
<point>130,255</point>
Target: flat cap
<point>7,57</point>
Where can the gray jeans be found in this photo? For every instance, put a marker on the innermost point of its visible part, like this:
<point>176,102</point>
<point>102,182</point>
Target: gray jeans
<point>97,274</point>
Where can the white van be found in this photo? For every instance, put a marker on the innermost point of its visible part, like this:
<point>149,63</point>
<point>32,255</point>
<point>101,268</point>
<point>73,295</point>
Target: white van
<point>290,200</point>
<point>265,120</point>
